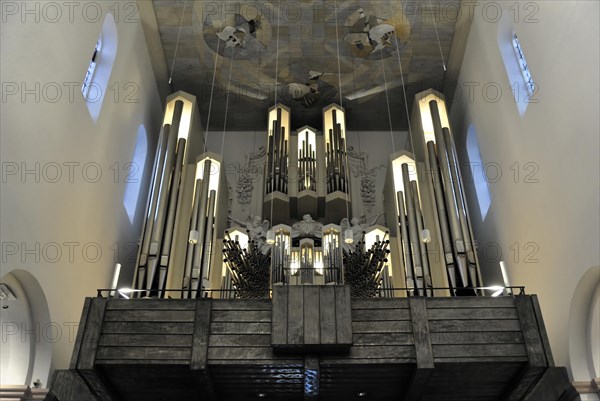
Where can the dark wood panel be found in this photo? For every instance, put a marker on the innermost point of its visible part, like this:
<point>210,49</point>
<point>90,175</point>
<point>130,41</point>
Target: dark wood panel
<point>473,325</point>
<point>142,315</point>
<point>470,302</point>
<point>240,340</point>
<point>542,328</point>
<point>79,337</point>
<point>241,316</point>
<point>240,328</point>
<point>145,340</point>
<point>381,352</point>
<point>203,315</point>
<point>91,336</point>
<point>242,304</point>
<point>295,315</point>
<point>240,353</point>
<point>312,327</point>
<point>382,327</point>
<point>359,315</point>
<point>151,304</point>
<point>531,334</point>
<point>343,314</point>
<point>474,337</point>
<point>478,350</point>
<point>279,315</point>
<point>423,348</point>
<point>380,303</point>
<point>147,328</point>
<point>472,313</point>
<point>123,353</point>
<point>383,339</point>
<point>327,315</point>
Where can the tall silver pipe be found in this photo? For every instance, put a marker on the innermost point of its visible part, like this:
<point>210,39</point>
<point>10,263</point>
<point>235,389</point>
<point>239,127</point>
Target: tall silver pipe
<point>404,241</point>
<point>446,177</point>
<point>412,229</point>
<point>422,245</point>
<point>171,213</point>
<point>153,199</point>
<point>442,216</point>
<point>201,224</point>
<point>463,209</point>
<point>208,239</point>
<point>165,189</point>
<point>190,247</point>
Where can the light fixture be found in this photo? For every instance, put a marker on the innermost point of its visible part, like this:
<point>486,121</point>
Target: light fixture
<point>425,236</point>
<point>193,238</point>
<point>362,394</point>
<point>261,395</point>
<point>348,236</point>
<point>270,237</point>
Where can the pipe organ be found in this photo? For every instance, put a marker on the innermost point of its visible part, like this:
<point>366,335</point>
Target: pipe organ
<point>411,233</point>
<point>278,150</point>
<point>445,208</point>
<point>185,244</point>
<point>183,213</point>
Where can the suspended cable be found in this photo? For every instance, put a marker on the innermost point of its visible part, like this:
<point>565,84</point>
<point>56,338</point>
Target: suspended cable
<point>212,91</point>
<point>177,43</point>
<point>405,98</point>
<point>227,100</point>
<point>387,101</point>
<point>337,42</point>
<point>437,35</point>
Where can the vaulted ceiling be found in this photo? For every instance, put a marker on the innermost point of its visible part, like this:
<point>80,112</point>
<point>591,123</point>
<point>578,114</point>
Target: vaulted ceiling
<point>305,54</point>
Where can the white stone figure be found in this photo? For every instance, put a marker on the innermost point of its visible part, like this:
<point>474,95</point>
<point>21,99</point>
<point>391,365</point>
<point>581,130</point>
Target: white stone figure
<point>380,36</point>
<point>358,225</point>
<point>257,230</point>
<point>307,227</point>
<point>232,36</point>
<point>308,92</point>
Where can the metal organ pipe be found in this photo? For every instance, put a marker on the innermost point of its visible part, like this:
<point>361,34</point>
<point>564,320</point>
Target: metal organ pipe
<point>201,226</point>
<point>424,257</point>
<point>209,235</point>
<point>412,229</point>
<point>471,250</point>
<point>192,242</point>
<point>405,242</point>
<point>442,216</point>
<point>142,261</point>
<point>170,224</point>
<point>162,205</point>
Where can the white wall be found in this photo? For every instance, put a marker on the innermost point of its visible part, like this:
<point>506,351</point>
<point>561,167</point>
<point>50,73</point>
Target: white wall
<point>77,212</point>
<point>555,221</point>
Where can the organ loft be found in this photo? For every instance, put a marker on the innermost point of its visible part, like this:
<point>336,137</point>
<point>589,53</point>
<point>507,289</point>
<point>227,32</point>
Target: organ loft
<point>307,299</point>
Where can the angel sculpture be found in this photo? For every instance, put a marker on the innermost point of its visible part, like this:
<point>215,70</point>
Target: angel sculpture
<point>307,227</point>
<point>358,226</point>
<point>306,93</point>
<point>257,230</point>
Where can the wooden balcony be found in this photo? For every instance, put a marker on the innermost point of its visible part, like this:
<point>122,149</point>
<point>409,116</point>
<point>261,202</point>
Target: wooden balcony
<point>312,343</point>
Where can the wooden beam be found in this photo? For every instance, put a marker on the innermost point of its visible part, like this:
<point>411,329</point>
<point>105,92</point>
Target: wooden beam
<point>201,333</point>
<point>343,314</point>
<point>531,333</point>
<point>424,350</point>
<point>80,331</point>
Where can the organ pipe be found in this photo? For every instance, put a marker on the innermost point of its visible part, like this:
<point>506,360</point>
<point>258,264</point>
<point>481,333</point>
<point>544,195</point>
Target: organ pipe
<point>334,131</point>
<point>276,178</point>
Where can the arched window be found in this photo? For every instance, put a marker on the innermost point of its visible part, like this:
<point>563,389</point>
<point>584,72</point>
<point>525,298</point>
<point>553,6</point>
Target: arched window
<point>135,173</point>
<point>519,76</point>
<point>96,79</point>
<point>482,188</point>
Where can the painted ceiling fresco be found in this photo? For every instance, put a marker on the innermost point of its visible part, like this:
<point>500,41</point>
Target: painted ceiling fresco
<point>306,54</point>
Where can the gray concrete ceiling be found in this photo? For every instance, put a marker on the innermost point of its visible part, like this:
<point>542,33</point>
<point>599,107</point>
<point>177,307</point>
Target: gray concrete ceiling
<point>359,44</point>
